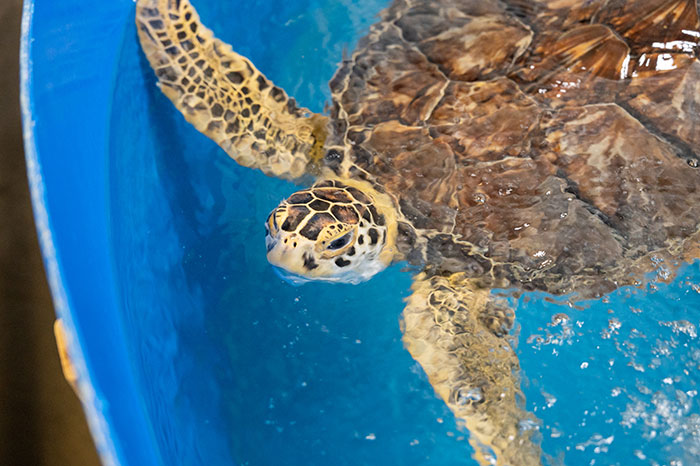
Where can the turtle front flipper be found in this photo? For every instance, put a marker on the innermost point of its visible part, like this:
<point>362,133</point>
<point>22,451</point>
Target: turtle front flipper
<point>224,96</point>
<point>459,335</point>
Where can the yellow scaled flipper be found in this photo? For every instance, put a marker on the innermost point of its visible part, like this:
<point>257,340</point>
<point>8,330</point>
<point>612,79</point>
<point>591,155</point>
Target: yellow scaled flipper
<point>224,96</point>
<point>459,334</point>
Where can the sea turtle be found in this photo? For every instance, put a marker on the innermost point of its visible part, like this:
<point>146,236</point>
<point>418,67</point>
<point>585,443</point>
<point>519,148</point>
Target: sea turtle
<point>545,145</point>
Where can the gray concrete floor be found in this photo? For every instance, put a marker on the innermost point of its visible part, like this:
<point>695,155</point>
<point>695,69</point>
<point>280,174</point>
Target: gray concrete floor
<point>41,421</point>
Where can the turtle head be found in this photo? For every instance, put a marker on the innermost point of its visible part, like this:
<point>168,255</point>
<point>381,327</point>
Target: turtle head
<point>332,232</point>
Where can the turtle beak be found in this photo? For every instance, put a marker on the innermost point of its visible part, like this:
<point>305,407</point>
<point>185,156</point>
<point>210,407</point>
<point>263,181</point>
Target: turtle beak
<point>279,254</point>
<point>270,243</point>
<point>288,256</point>
<point>275,252</point>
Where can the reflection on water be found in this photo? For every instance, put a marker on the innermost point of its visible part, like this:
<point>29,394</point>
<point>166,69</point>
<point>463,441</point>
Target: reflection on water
<point>615,380</point>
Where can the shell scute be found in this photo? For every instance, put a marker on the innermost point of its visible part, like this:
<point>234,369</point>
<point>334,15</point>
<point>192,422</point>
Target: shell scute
<point>624,171</point>
<point>643,22</point>
<point>486,120</point>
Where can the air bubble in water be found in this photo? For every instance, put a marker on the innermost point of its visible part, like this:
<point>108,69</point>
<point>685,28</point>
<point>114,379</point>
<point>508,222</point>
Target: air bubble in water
<point>470,395</point>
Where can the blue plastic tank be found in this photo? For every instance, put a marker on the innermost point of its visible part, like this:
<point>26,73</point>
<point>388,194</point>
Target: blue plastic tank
<point>190,350</point>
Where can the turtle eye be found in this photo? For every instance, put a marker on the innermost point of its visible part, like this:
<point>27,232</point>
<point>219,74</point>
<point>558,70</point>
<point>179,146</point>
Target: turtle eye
<point>340,242</point>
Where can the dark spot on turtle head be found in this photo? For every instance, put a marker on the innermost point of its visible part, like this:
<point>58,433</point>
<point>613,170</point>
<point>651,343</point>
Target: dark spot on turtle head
<point>351,251</point>
<point>262,83</point>
<point>315,224</point>
<point>345,214</point>
<point>333,195</point>
<point>340,262</point>
<point>375,215</point>
<point>361,240</point>
<point>302,197</point>
<point>373,236</point>
<point>359,195</point>
<point>295,214</point>
<point>309,262</point>
<point>319,205</point>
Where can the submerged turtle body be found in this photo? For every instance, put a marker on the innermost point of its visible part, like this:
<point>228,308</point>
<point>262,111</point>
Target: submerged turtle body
<point>543,146</point>
<point>549,145</point>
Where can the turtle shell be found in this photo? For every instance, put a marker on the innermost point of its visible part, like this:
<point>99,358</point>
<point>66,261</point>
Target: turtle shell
<point>530,139</point>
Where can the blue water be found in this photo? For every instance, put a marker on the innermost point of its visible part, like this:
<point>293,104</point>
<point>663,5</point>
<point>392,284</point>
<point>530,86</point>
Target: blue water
<point>238,367</point>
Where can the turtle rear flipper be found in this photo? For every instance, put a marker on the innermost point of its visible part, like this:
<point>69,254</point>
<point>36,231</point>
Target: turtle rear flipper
<point>224,96</point>
<point>459,335</point>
